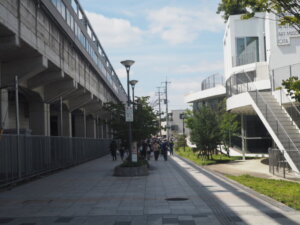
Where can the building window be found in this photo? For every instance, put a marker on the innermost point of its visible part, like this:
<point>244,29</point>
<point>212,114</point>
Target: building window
<point>247,51</point>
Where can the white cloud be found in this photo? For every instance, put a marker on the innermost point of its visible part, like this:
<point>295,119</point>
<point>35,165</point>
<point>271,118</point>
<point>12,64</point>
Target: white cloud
<point>177,25</point>
<point>202,67</point>
<point>186,85</point>
<point>114,32</point>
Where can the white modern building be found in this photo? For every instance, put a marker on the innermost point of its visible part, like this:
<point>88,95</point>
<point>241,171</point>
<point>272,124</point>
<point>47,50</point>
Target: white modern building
<point>258,55</point>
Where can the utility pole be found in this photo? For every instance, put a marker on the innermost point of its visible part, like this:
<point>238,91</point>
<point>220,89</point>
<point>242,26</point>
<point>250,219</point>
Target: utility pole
<point>167,112</point>
<point>159,110</point>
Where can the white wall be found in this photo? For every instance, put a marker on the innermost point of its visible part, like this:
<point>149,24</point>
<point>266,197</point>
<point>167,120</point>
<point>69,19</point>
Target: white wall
<point>237,28</point>
<point>280,55</point>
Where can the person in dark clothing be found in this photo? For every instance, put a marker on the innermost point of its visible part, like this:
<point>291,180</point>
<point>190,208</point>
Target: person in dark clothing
<point>122,151</point>
<point>164,149</point>
<point>113,150</point>
<point>144,149</point>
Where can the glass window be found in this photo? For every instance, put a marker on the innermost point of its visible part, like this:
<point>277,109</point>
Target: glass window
<point>54,2</point>
<point>74,6</point>
<point>63,10</point>
<point>246,51</point>
<point>68,18</point>
<point>240,46</point>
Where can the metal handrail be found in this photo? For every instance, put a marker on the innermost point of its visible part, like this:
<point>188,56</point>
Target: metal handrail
<point>289,100</point>
<point>273,114</point>
<point>275,83</point>
<point>277,121</point>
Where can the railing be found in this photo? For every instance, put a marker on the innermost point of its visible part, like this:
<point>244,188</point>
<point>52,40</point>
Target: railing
<point>212,81</point>
<point>277,163</point>
<point>22,157</point>
<point>245,58</point>
<point>270,117</point>
<point>235,85</point>
<point>277,76</point>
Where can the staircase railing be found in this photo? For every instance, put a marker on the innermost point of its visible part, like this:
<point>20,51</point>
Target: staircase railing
<point>268,113</point>
<point>270,116</point>
<point>285,99</point>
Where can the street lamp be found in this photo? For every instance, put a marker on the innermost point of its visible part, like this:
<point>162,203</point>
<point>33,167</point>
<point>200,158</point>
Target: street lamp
<point>128,64</point>
<point>133,83</point>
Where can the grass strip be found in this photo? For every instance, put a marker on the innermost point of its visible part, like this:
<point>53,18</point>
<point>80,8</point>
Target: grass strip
<point>193,156</point>
<point>287,192</point>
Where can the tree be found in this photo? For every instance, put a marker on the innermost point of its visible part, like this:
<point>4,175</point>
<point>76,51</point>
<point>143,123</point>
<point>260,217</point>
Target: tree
<point>234,7</point>
<point>229,127</point>
<point>288,11</point>
<point>180,141</point>
<point>292,85</point>
<point>144,124</point>
<point>228,124</point>
<point>204,130</point>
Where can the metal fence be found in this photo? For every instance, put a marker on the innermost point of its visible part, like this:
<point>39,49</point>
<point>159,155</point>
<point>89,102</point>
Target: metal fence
<point>212,81</point>
<point>22,157</point>
<point>278,164</point>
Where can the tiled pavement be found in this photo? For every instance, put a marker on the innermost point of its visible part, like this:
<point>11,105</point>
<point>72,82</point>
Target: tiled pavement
<point>89,195</point>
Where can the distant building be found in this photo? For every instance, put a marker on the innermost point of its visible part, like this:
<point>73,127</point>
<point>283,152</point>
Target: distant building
<point>176,123</point>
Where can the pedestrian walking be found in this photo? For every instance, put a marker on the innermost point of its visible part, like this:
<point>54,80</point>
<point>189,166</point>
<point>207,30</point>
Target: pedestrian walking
<point>122,151</point>
<point>164,149</point>
<point>156,148</point>
<point>113,150</point>
<point>149,149</point>
<point>144,149</point>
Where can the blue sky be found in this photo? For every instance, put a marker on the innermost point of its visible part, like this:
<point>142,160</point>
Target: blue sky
<point>173,39</point>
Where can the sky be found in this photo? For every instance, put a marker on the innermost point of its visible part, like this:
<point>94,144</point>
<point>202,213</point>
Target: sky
<point>175,40</point>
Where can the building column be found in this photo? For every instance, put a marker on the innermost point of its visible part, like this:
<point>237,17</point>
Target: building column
<point>4,107</point>
<point>100,124</point>
<point>78,124</point>
<point>90,127</point>
<point>66,124</point>
<point>39,118</point>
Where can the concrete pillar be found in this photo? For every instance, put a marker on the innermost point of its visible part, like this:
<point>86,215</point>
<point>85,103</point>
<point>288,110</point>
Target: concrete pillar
<point>104,129</point>
<point>39,118</point>
<point>100,129</point>
<point>66,123</point>
<point>78,128</point>
<point>90,127</point>
<point>3,108</point>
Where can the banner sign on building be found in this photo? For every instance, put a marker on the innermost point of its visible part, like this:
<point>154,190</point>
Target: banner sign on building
<point>285,33</point>
<point>128,113</point>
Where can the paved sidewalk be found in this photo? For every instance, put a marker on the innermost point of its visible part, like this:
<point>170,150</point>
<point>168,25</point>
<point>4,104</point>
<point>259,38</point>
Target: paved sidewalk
<point>89,195</point>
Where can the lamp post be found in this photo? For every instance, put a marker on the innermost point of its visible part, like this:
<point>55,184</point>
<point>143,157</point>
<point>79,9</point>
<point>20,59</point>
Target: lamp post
<point>133,83</point>
<point>128,64</point>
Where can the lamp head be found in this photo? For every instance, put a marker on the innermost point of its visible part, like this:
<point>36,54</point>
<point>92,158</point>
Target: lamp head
<point>133,82</point>
<point>127,63</point>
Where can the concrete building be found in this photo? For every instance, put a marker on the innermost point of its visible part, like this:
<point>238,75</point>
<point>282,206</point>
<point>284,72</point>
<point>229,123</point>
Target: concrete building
<point>176,123</point>
<point>54,73</point>
<point>258,54</point>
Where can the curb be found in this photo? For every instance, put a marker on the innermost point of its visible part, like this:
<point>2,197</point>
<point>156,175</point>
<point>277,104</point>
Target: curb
<point>241,186</point>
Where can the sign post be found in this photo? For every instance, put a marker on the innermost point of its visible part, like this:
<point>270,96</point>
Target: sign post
<point>128,113</point>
